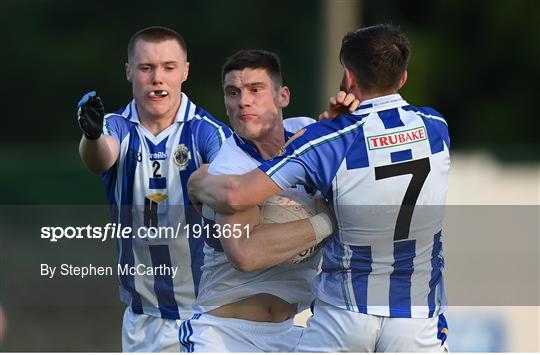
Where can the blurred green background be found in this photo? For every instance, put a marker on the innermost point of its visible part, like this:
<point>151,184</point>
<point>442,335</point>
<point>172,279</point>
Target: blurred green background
<point>478,63</point>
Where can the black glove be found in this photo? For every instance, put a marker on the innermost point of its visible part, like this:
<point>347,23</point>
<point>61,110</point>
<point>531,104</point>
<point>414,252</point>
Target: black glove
<point>90,115</point>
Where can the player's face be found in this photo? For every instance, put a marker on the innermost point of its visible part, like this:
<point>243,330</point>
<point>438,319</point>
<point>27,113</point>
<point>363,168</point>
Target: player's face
<point>156,72</point>
<point>253,103</point>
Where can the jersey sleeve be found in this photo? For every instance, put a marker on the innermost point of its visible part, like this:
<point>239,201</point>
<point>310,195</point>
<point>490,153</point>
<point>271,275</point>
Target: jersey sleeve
<point>115,126</point>
<point>210,134</point>
<point>215,141</point>
<point>292,172</point>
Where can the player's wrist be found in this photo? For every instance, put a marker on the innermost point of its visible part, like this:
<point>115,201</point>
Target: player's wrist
<point>322,225</point>
<point>92,137</point>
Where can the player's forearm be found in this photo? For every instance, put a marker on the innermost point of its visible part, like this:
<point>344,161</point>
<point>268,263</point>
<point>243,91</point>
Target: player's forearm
<point>230,193</point>
<point>263,245</point>
<point>99,155</point>
<point>272,244</point>
<point>213,190</point>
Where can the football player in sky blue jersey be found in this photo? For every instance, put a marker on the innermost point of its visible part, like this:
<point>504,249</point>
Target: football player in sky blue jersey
<point>145,154</point>
<point>244,305</point>
<point>385,170</point>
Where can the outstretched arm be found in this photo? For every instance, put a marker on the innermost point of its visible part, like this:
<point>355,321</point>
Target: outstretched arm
<point>100,154</point>
<point>230,193</point>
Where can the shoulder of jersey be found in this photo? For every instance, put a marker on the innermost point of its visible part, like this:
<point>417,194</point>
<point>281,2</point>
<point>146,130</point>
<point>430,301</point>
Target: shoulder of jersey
<point>121,113</point>
<point>115,116</point>
<point>206,117</point>
<point>226,157</point>
<point>320,130</point>
<point>426,112</point>
<point>206,120</point>
<point>295,123</point>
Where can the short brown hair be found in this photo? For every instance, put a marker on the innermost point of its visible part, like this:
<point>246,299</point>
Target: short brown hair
<point>255,59</point>
<point>377,55</point>
<point>155,34</point>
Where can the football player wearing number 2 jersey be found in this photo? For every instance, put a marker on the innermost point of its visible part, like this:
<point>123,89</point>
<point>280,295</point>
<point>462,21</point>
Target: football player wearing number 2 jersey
<point>145,154</point>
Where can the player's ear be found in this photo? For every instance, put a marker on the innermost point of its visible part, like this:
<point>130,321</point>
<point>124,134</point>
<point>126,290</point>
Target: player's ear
<point>128,72</point>
<point>403,80</point>
<point>349,80</point>
<point>284,96</point>
<point>185,72</point>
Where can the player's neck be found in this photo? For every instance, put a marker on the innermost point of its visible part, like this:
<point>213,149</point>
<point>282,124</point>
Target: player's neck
<point>270,144</point>
<point>156,125</point>
<point>364,96</point>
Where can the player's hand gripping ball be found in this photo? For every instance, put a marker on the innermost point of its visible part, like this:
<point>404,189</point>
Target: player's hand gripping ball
<point>90,115</point>
<point>292,205</point>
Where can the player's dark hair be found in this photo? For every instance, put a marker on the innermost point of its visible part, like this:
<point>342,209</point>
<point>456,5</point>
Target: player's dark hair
<point>155,34</point>
<point>254,59</point>
<point>377,55</point>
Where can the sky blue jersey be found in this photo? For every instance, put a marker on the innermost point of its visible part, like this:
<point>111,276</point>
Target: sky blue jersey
<point>384,169</point>
<point>147,187</point>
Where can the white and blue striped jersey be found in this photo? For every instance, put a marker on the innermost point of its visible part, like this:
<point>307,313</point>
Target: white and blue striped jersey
<point>221,283</point>
<point>385,170</point>
<point>147,187</point>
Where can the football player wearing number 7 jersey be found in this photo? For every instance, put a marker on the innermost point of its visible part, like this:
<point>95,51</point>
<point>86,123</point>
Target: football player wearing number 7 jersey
<point>385,170</point>
<point>145,154</point>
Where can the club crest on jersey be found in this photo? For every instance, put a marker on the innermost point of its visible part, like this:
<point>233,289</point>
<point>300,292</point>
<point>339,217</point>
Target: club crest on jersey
<point>397,138</point>
<point>182,155</point>
<point>296,135</point>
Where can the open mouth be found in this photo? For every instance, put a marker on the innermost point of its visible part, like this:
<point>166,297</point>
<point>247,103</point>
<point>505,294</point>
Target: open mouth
<point>158,93</point>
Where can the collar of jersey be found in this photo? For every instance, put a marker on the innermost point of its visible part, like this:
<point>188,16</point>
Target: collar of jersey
<point>251,149</point>
<point>185,113</point>
<point>380,103</point>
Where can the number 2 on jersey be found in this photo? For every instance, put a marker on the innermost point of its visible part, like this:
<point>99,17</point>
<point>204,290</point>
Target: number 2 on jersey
<point>420,170</point>
<point>156,167</point>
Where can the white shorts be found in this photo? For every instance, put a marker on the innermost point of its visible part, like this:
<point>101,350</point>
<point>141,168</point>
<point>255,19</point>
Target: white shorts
<point>207,333</point>
<point>149,334</point>
<point>332,329</point>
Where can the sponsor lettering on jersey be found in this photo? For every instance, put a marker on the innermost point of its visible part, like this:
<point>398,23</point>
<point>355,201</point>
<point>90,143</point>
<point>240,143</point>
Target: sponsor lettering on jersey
<point>182,155</point>
<point>397,138</point>
<point>157,156</point>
